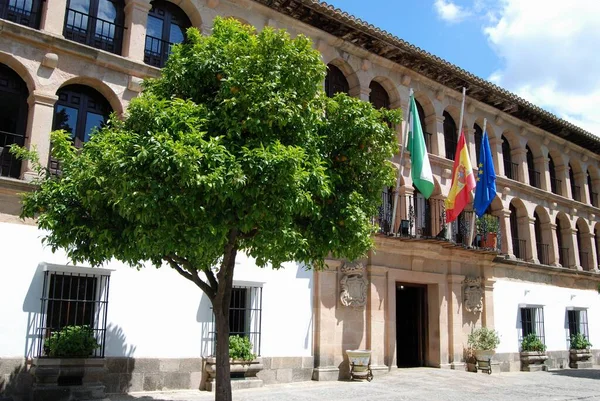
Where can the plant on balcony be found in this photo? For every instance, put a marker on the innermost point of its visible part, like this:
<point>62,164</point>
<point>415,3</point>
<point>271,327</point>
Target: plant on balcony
<point>533,353</point>
<point>71,342</point>
<point>483,342</point>
<point>488,226</point>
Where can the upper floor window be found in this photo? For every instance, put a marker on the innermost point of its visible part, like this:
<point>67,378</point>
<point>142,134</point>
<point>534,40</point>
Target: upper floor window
<point>23,12</point>
<point>593,194</point>
<point>555,184</point>
<point>74,296</point>
<point>79,110</point>
<point>166,27</point>
<point>534,175</point>
<point>96,23</point>
<point>428,136</point>
<point>13,119</point>
<point>379,97</point>
<point>335,81</point>
<point>510,169</point>
<point>450,135</point>
<point>478,138</point>
<point>575,189</point>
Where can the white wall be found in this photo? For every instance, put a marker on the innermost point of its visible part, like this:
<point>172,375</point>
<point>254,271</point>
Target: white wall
<point>508,295</point>
<point>151,312</point>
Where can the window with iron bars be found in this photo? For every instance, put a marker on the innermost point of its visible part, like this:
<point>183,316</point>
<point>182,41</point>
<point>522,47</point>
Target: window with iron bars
<point>578,324</point>
<point>532,321</point>
<point>245,316</point>
<point>73,296</point>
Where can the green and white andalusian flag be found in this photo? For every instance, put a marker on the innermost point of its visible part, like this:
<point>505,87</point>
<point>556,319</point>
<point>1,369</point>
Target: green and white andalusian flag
<point>420,168</point>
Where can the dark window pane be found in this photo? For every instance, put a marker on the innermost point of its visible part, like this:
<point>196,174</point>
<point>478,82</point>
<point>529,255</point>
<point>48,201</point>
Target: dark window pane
<point>176,35</point>
<point>154,27</point>
<point>92,121</point>
<point>66,118</point>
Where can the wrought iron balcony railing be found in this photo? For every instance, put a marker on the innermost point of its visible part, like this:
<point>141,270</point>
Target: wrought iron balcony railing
<point>21,12</point>
<point>92,31</point>
<point>563,254</point>
<point>534,178</point>
<point>157,51</point>
<point>584,260</point>
<point>556,186</point>
<point>543,253</point>
<point>576,192</point>
<point>519,248</point>
<point>9,165</point>
<point>511,170</point>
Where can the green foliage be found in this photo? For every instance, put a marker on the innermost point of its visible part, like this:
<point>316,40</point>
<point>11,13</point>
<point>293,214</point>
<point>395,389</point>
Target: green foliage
<point>532,343</point>
<point>488,224</point>
<point>483,339</point>
<point>70,342</point>
<point>579,341</point>
<point>240,348</point>
<point>236,136</point>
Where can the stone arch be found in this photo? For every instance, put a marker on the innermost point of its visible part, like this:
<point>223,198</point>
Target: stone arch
<point>14,64</point>
<point>104,89</point>
<point>543,236</point>
<point>348,72</point>
<point>390,88</point>
<point>192,12</point>
<point>564,240</point>
<point>584,244</point>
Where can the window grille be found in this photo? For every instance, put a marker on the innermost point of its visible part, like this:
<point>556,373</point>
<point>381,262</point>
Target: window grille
<point>532,321</point>
<point>72,298</point>
<point>578,324</point>
<point>245,316</point>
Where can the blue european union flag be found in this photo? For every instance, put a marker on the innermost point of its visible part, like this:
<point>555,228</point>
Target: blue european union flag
<point>485,190</point>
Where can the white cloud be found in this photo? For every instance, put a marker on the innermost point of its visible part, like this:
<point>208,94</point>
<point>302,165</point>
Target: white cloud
<point>551,57</point>
<point>449,11</point>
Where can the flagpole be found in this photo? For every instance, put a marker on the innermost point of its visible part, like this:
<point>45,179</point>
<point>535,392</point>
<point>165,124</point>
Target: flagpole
<point>472,233</point>
<point>404,145</point>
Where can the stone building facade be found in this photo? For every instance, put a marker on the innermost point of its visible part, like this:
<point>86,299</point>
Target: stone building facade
<point>415,298</point>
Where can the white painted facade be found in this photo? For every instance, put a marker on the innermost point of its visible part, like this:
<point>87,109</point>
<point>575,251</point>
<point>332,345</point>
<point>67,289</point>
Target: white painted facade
<point>511,295</point>
<point>152,313</point>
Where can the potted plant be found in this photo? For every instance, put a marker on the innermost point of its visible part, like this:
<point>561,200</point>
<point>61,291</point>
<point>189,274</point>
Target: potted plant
<point>483,342</point>
<point>533,353</point>
<point>243,363</point>
<point>69,364</point>
<point>360,364</point>
<point>579,352</point>
<point>488,226</point>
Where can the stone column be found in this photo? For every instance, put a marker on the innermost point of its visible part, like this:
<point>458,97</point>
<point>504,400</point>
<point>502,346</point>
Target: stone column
<point>487,316</point>
<point>519,156</point>
<point>496,148</point>
<point>561,174</point>
<point>541,165</point>
<point>325,345</point>
<point>52,19</point>
<point>581,179</point>
<point>443,321</point>
<point>470,138</point>
<point>554,252</point>
<point>507,246</point>
<point>376,307</point>
<point>360,92</point>
<point>455,319</point>
<point>39,125</point>
<point>574,261</point>
<point>438,139</point>
<point>528,224</point>
<point>134,40</point>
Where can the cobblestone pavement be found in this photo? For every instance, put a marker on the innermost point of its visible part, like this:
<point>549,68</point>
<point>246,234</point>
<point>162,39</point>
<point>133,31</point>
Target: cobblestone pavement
<point>417,384</point>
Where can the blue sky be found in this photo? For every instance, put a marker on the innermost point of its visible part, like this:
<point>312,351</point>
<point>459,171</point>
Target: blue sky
<point>546,51</point>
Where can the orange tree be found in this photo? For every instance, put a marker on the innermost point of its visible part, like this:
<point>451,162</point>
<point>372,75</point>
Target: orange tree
<point>234,148</point>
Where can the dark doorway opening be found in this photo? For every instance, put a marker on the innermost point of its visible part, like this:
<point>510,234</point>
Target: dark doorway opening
<point>411,324</point>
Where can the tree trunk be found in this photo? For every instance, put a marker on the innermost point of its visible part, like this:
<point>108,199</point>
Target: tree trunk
<point>221,304</point>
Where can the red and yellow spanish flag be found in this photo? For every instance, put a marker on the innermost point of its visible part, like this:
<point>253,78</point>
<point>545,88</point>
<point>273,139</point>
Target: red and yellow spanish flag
<point>463,181</point>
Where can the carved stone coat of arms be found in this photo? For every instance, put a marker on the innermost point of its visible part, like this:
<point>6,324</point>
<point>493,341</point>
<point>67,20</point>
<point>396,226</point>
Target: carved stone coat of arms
<point>473,294</point>
<point>353,285</point>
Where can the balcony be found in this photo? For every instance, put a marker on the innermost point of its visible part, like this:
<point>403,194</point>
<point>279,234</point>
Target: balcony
<point>594,198</point>
<point>584,260</point>
<point>543,252</point>
<point>9,166</point>
<point>417,218</point>
<point>576,191</point>
<point>555,186</point>
<point>21,12</point>
<point>92,31</point>
<point>563,254</point>
<point>428,138</point>
<point>520,248</point>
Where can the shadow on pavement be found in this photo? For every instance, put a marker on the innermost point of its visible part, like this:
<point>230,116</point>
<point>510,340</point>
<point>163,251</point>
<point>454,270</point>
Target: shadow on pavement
<point>581,373</point>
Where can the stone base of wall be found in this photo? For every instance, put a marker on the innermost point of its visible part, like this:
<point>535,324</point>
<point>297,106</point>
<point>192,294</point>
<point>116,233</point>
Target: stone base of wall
<point>154,374</point>
<point>511,362</point>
